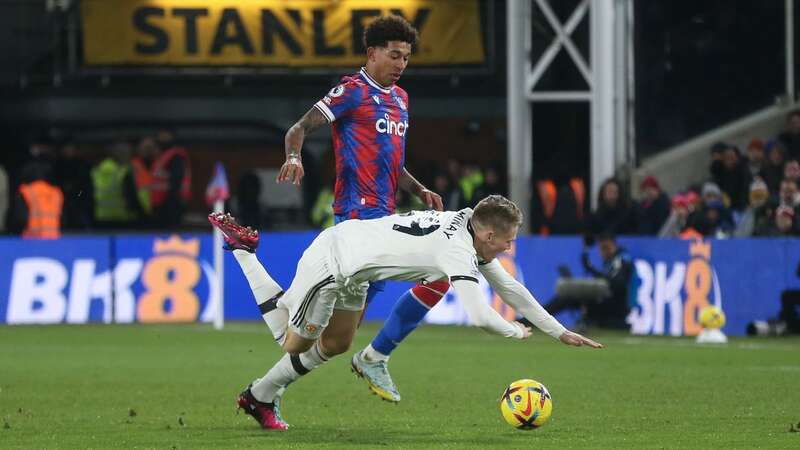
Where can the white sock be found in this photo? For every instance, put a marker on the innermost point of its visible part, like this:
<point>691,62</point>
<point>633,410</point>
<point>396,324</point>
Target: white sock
<point>288,369</point>
<point>277,394</point>
<point>266,292</point>
<point>370,354</point>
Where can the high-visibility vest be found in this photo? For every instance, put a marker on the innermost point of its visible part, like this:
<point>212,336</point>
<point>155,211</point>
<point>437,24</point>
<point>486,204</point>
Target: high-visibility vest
<point>548,195</point>
<point>158,195</point>
<point>470,183</point>
<point>144,182</point>
<point>109,197</point>
<point>579,189</point>
<point>322,212</point>
<point>45,202</point>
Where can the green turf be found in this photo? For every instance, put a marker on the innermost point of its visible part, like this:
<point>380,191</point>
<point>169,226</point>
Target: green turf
<point>174,387</point>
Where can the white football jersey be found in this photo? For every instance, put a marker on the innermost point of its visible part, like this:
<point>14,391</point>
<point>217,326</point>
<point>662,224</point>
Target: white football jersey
<point>418,246</point>
<point>424,246</point>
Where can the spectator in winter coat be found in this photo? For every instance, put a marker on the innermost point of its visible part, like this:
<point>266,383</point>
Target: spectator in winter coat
<point>790,137</point>
<point>757,213</point>
<point>615,213</point>
<point>783,224</point>
<point>773,170</point>
<point>653,210</point>
<point>791,170</point>
<point>732,176</point>
<point>756,160</point>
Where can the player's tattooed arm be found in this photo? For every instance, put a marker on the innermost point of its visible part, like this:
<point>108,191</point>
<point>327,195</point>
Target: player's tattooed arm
<point>310,121</point>
<point>408,183</point>
<point>292,169</point>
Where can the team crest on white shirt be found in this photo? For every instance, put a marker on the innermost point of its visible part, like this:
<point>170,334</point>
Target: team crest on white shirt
<point>401,103</point>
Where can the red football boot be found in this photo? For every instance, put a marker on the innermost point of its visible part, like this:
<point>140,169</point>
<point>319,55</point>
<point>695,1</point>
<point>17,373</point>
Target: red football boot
<point>236,236</point>
<point>264,413</point>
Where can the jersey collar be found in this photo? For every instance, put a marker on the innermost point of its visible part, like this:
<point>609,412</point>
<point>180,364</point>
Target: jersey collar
<point>471,230</point>
<point>374,83</point>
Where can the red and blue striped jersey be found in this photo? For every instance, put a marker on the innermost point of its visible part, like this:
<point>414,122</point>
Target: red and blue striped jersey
<point>369,124</point>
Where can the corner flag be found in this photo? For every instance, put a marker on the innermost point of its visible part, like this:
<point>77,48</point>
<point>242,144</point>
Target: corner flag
<point>218,186</point>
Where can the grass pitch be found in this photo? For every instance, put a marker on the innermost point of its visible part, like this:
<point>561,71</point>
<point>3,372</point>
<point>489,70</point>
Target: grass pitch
<point>167,387</point>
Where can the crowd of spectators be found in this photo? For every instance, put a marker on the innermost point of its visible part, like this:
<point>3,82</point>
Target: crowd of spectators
<point>131,185</point>
<point>746,195</point>
<point>752,194</point>
<point>146,184</point>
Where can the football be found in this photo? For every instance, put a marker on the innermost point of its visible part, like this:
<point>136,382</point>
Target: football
<point>712,318</point>
<point>526,404</point>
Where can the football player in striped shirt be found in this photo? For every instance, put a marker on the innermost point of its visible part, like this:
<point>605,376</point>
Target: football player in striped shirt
<point>369,118</point>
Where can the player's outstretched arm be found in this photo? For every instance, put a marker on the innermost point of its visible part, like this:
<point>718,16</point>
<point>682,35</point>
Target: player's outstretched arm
<point>481,314</point>
<point>292,169</point>
<point>577,340</point>
<point>513,293</point>
<point>408,183</point>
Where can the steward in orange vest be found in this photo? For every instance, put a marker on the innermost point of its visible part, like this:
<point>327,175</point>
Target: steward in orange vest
<point>146,154</point>
<point>44,203</point>
<point>171,185</point>
<point>558,209</point>
<point>164,176</point>
<point>143,178</point>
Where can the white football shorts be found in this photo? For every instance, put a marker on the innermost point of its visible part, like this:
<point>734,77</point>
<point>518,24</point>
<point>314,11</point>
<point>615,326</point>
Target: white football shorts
<point>315,293</point>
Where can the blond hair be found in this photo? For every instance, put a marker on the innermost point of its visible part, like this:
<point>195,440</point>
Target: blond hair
<point>498,213</point>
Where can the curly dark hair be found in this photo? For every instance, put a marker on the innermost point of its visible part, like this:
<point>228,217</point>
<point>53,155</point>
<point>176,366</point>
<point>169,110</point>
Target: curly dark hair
<point>389,28</point>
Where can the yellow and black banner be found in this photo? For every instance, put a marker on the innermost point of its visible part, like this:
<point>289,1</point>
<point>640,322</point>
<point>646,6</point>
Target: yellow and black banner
<point>290,33</point>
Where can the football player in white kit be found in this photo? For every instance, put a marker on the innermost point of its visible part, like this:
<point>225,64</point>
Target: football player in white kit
<point>317,317</point>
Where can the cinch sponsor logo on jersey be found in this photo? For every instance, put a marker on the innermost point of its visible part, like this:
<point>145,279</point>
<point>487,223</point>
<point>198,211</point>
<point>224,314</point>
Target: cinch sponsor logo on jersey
<point>389,126</point>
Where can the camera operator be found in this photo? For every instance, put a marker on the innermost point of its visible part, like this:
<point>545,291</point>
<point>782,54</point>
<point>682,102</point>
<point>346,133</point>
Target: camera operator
<point>603,298</point>
<point>788,320</point>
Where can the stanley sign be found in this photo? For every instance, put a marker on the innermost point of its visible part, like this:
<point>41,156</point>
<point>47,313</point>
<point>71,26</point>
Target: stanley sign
<point>276,33</point>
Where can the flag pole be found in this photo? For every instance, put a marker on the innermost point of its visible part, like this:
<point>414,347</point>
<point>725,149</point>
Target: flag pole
<point>216,194</point>
<point>219,258</point>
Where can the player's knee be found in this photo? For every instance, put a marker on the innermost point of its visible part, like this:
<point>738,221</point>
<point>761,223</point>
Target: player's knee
<point>334,345</point>
<point>295,344</point>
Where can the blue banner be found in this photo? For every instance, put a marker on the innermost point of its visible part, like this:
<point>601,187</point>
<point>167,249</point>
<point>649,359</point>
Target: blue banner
<point>677,278</point>
<point>64,281</point>
<point>171,279</point>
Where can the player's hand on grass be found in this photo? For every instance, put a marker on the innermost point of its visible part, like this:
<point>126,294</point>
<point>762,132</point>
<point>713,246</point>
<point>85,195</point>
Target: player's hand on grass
<point>526,331</point>
<point>570,338</point>
<point>431,199</point>
<point>291,170</point>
